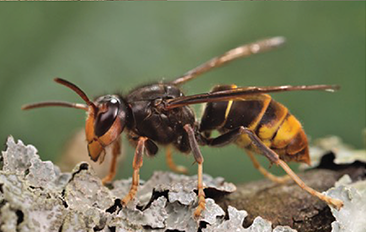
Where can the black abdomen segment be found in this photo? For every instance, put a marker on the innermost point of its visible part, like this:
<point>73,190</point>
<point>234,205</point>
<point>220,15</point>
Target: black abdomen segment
<point>214,114</point>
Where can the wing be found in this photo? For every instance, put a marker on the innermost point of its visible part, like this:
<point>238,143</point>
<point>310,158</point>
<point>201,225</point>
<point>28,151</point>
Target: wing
<point>231,94</point>
<point>233,54</point>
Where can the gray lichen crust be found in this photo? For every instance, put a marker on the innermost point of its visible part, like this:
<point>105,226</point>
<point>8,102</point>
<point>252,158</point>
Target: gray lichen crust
<point>352,217</point>
<point>344,154</point>
<point>36,196</point>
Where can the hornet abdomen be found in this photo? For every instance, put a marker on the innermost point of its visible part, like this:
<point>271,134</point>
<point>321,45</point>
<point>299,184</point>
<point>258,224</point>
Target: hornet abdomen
<point>271,121</point>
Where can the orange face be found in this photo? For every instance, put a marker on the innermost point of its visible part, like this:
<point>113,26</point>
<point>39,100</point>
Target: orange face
<point>106,117</point>
<point>103,125</point>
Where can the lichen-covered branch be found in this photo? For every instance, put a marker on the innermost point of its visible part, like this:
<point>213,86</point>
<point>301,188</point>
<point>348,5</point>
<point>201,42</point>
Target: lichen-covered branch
<point>36,196</point>
<point>287,204</point>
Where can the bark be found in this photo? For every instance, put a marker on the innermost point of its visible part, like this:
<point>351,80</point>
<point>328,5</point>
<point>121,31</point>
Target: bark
<point>288,204</point>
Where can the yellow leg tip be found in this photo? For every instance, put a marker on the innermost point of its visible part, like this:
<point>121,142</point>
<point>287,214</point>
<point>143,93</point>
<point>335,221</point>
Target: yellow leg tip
<point>127,198</point>
<point>197,213</point>
<point>106,180</point>
<point>335,203</point>
<point>201,206</point>
<point>181,169</point>
<point>125,201</point>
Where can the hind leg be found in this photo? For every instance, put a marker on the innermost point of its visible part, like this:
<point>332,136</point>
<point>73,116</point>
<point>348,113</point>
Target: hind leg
<point>230,137</point>
<point>273,158</point>
<point>267,174</point>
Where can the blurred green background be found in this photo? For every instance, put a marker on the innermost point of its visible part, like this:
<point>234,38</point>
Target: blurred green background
<point>115,46</point>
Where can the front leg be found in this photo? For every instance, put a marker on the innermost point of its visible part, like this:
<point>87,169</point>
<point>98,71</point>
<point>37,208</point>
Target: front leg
<point>136,164</point>
<point>199,159</point>
<point>116,150</point>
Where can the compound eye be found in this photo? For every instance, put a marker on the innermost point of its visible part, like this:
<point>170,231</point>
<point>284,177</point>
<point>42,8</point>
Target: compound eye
<point>105,118</point>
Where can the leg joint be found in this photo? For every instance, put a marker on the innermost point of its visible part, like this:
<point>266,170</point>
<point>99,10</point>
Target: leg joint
<point>267,152</point>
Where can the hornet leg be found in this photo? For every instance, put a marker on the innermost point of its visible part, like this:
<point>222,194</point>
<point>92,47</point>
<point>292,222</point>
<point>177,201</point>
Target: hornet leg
<point>230,137</point>
<point>267,174</point>
<point>274,158</point>
<point>199,159</point>
<point>171,164</point>
<point>136,164</point>
<point>116,150</point>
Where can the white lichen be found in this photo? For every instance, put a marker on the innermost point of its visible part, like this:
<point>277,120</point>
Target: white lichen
<point>235,222</point>
<point>352,216</point>
<point>344,154</point>
<point>36,196</point>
